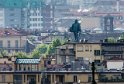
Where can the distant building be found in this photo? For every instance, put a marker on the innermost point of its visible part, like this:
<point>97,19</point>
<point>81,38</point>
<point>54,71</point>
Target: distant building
<point>12,40</point>
<point>10,18</point>
<point>113,51</point>
<point>39,18</point>
<point>90,23</point>
<point>81,51</point>
<point>20,67</point>
<point>88,51</point>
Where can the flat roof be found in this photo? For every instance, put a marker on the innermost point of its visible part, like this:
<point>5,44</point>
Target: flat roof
<point>27,61</point>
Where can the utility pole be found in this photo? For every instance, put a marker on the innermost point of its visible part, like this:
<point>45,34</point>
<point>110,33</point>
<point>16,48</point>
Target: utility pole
<point>93,74</point>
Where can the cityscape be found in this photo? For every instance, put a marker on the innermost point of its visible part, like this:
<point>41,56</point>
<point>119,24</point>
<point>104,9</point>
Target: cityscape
<point>61,41</point>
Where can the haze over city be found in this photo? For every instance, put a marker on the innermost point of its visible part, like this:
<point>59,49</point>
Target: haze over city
<point>61,41</point>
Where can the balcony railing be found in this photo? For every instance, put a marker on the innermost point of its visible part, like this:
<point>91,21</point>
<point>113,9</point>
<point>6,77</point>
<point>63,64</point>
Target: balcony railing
<point>111,80</point>
<point>21,48</point>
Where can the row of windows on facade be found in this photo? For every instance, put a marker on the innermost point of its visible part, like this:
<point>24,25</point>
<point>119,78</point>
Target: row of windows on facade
<point>36,24</point>
<point>26,67</point>
<point>71,51</point>
<point>36,19</point>
<point>114,48</point>
<point>18,79</point>
<point>87,48</point>
<point>9,43</point>
<point>41,14</point>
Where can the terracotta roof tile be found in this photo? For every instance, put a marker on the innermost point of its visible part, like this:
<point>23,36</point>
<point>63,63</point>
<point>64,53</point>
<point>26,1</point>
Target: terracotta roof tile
<point>9,32</point>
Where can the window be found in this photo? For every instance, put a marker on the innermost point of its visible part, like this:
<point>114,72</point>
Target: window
<point>86,48</point>
<point>79,48</point>
<point>24,67</point>
<point>12,9</point>
<point>34,67</point>
<point>38,19</point>
<point>71,51</point>
<point>8,43</point>
<point>89,78</point>
<point>90,48</point>
<point>12,14</point>
<point>75,78</point>
<point>3,77</point>
<point>19,67</point>
<point>97,52</point>
<point>62,51</point>
<point>24,78</point>
<point>12,20</point>
<point>1,44</point>
<point>16,43</point>
<point>97,61</point>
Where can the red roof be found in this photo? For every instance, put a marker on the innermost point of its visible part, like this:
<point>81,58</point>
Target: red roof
<point>9,32</point>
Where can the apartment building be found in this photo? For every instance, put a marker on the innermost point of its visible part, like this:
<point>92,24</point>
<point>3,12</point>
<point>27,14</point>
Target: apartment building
<point>81,51</point>
<point>24,71</point>
<point>12,40</point>
<point>113,51</point>
<point>20,71</point>
<point>10,17</point>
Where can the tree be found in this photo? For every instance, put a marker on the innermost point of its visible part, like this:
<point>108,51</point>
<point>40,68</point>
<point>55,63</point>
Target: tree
<point>35,53</point>
<point>3,53</point>
<point>40,49</point>
<point>56,42</point>
<point>44,49</point>
<point>52,47</point>
<point>121,38</point>
<point>111,40</point>
<point>50,50</point>
<point>21,55</point>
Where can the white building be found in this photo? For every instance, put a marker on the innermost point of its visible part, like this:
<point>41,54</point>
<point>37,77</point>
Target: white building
<point>34,20</point>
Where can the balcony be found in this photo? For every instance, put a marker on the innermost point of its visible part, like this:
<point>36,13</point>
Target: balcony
<point>111,79</point>
<point>19,48</point>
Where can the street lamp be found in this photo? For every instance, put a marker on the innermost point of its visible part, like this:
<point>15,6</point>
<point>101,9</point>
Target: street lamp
<point>93,73</point>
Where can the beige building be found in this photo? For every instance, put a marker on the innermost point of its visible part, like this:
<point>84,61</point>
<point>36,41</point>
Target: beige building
<point>65,53</point>
<point>12,40</point>
<point>7,68</point>
<point>82,51</point>
<point>89,51</point>
<point>20,71</point>
<point>79,77</point>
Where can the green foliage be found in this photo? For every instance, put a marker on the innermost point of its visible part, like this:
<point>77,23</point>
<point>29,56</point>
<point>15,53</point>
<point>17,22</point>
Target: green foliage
<point>56,42</point>
<point>52,47</point>
<point>50,50</point>
<point>121,36</point>
<point>111,40</point>
<point>21,55</point>
<point>3,53</point>
<point>35,53</point>
<point>40,49</point>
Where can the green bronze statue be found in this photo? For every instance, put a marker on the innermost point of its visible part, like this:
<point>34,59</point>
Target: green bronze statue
<point>76,29</point>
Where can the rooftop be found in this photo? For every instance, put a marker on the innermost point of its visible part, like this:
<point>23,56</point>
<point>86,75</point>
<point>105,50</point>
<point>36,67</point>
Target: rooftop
<point>9,32</point>
<point>27,61</point>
